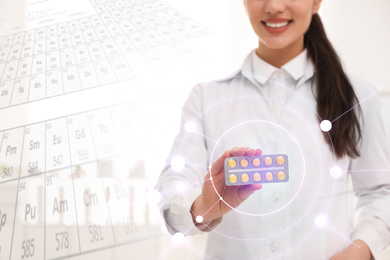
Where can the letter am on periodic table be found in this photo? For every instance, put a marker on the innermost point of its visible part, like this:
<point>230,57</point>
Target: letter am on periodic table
<point>77,80</point>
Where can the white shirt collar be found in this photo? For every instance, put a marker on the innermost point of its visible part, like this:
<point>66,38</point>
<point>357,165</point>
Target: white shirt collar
<point>300,68</point>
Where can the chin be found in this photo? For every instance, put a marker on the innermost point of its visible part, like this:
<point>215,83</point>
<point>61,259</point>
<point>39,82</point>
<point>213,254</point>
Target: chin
<point>278,45</point>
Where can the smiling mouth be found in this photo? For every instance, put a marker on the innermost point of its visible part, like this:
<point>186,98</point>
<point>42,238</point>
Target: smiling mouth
<point>277,25</point>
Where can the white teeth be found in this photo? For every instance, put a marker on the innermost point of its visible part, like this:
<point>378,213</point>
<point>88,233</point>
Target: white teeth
<point>276,25</point>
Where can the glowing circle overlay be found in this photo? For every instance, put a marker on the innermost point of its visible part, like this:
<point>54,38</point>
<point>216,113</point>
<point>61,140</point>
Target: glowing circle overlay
<point>199,219</point>
<point>336,172</point>
<point>190,127</point>
<point>178,163</point>
<point>178,238</point>
<point>300,150</point>
<point>321,221</point>
<point>326,125</point>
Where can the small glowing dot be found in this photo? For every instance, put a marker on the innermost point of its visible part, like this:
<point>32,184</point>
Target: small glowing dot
<point>154,196</point>
<point>336,172</point>
<point>321,221</point>
<point>178,163</point>
<point>326,125</point>
<point>178,238</point>
<point>211,178</point>
<point>190,127</point>
<point>199,219</point>
<point>220,198</point>
<point>180,187</point>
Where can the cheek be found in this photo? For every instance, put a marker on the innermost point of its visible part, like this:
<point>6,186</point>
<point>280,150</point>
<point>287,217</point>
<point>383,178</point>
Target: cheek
<point>254,8</point>
<point>303,18</point>
<point>306,22</point>
<point>254,19</point>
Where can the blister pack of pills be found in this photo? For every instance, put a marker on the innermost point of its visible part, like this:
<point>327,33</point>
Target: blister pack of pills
<point>244,170</point>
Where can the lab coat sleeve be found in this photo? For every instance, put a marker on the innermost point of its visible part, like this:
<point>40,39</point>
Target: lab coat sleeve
<point>371,180</point>
<point>175,203</point>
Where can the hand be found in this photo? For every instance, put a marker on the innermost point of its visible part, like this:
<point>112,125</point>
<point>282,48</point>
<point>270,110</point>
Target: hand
<point>358,250</point>
<point>208,204</point>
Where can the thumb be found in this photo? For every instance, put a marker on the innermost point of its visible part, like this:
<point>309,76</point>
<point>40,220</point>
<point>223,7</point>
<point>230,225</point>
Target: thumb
<point>218,164</point>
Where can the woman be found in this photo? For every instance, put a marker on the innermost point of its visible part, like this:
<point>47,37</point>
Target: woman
<point>290,84</point>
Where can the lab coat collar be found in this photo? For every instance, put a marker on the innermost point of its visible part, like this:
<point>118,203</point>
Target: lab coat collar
<point>301,68</point>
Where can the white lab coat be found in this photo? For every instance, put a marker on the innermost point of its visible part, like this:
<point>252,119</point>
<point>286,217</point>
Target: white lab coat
<point>275,110</point>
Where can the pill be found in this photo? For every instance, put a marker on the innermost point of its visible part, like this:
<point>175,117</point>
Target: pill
<point>269,176</point>
<point>280,160</point>
<point>256,177</point>
<point>268,160</point>
<point>232,163</point>
<point>256,162</point>
<point>244,162</point>
<point>245,177</point>
<point>232,178</point>
<point>281,176</point>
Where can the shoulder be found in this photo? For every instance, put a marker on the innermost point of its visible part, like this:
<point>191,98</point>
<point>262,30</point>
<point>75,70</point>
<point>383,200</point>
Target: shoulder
<point>231,79</point>
<point>363,88</point>
<point>372,101</point>
<point>221,84</point>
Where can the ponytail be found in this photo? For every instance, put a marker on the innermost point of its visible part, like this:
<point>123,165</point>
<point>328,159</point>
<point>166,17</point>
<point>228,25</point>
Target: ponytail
<point>335,95</point>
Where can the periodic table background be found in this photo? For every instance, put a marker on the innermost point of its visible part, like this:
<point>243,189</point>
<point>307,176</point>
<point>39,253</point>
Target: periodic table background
<point>78,100</point>
<point>90,98</point>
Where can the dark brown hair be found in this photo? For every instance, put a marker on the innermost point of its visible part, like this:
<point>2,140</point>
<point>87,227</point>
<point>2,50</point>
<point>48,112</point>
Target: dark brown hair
<point>336,99</point>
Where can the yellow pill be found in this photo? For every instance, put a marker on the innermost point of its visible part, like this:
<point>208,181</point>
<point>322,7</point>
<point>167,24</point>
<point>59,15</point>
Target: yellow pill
<point>269,176</point>
<point>256,177</point>
<point>280,160</point>
<point>232,178</point>
<point>244,162</point>
<point>281,176</point>
<point>256,162</point>
<point>268,160</point>
<point>232,163</point>
<point>245,177</point>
